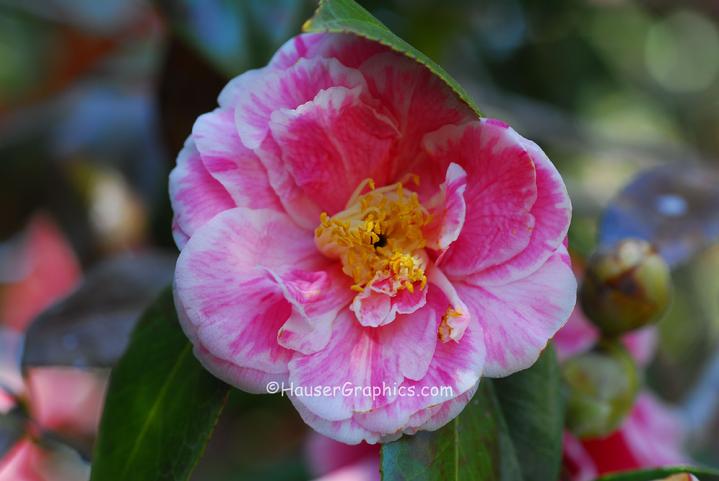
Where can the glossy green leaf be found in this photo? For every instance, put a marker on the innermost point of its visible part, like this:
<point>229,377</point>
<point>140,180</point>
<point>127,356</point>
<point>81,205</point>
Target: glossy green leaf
<point>511,430</point>
<point>161,405</point>
<point>532,404</point>
<point>704,474</point>
<point>346,16</point>
<point>476,445</point>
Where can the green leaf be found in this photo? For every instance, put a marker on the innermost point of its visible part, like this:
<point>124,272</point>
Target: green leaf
<point>532,404</point>
<point>346,16</point>
<point>161,405</point>
<point>704,474</point>
<point>518,418</point>
<point>476,445</point>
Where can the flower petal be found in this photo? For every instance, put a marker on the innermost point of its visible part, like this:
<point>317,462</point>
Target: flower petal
<point>231,163</point>
<point>373,360</point>
<point>67,400</point>
<point>230,303</point>
<point>552,213</point>
<point>196,197</point>
<point>501,189</point>
<point>351,50</point>
<point>418,101</point>
<point>263,94</point>
<point>328,146</point>
<point>519,318</point>
<point>316,298</point>
<point>455,369</point>
<point>448,210</point>
<point>378,305</point>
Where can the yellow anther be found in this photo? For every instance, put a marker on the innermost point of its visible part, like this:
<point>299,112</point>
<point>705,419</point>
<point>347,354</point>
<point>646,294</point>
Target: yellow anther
<point>444,332</point>
<point>379,236</point>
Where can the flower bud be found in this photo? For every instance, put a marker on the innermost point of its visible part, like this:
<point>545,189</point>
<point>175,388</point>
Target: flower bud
<point>603,384</point>
<point>625,287</point>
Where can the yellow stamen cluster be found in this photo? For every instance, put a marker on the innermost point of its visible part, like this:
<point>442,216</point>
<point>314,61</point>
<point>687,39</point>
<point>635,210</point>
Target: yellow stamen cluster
<point>379,236</point>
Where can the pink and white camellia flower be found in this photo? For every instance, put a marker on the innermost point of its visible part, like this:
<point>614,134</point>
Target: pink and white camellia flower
<point>350,229</point>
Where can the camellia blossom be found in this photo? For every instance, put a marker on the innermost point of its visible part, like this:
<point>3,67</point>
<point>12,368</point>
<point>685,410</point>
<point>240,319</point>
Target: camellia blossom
<point>63,400</point>
<point>650,437</point>
<point>350,229</point>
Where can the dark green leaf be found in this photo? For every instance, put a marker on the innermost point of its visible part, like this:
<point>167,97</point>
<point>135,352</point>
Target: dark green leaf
<point>346,16</point>
<point>92,326</point>
<point>704,474</point>
<point>476,445</point>
<point>161,404</point>
<point>531,402</point>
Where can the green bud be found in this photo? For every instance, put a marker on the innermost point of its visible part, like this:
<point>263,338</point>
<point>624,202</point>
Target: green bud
<point>626,287</point>
<point>603,384</point>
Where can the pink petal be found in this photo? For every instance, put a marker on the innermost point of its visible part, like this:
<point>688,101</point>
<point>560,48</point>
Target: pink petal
<point>552,212</point>
<point>196,197</point>
<point>642,344</point>
<point>347,431</point>
<point>273,90</point>
<point>358,358</point>
<point>579,335</point>
<point>458,323</point>
<point>520,317</point>
<point>365,470</point>
<point>325,455</point>
<point>349,49</point>
<point>435,417</point>
<point>379,305</point>
<point>229,301</point>
<point>328,146</point>
<point>501,189</point>
<point>577,461</point>
<point>48,268</point>
<point>316,298</point>
<point>232,164</point>
<point>655,434</point>
<point>417,101</point>
<point>448,210</point>
<point>67,400</point>
<point>455,366</point>
<point>28,461</point>
<point>367,358</point>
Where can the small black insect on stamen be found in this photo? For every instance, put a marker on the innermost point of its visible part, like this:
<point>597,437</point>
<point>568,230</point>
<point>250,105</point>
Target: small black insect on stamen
<point>381,242</point>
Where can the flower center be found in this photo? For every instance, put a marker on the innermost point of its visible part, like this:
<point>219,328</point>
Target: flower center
<point>378,237</point>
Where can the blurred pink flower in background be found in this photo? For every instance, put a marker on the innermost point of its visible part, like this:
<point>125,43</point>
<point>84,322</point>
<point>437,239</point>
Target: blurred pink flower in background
<point>345,220</point>
<point>64,400</point>
<point>650,436</point>
<point>45,269</point>
<point>330,460</point>
<point>579,335</point>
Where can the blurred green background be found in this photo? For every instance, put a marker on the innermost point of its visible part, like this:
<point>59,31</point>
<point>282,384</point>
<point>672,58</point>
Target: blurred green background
<point>96,99</point>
